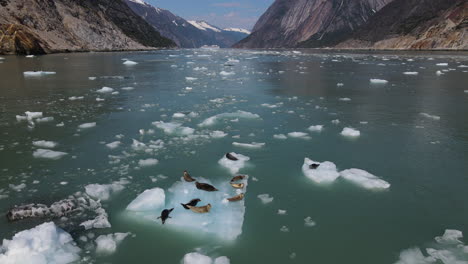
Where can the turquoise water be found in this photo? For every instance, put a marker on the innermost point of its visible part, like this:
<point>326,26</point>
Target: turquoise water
<point>423,157</point>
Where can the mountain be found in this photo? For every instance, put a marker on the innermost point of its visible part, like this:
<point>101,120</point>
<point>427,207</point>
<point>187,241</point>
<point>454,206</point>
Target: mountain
<point>415,24</point>
<point>287,23</point>
<point>186,34</point>
<point>45,26</point>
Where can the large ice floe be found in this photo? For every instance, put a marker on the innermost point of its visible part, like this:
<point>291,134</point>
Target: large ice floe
<point>172,128</point>
<point>210,121</point>
<point>224,220</point>
<point>448,249</point>
<point>48,154</point>
<point>104,191</point>
<point>198,258</point>
<point>45,243</point>
<point>234,166</point>
<point>326,172</point>
<point>107,244</point>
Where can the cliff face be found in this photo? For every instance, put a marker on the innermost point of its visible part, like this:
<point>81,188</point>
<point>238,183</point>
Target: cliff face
<point>33,26</point>
<point>313,23</point>
<point>186,34</point>
<point>415,24</point>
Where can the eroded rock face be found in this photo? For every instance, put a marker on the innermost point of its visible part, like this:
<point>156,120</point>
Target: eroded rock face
<point>17,39</point>
<point>69,25</point>
<point>309,23</point>
<point>415,24</point>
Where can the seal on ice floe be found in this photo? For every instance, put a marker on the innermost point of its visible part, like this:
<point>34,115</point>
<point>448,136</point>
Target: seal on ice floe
<point>238,178</point>
<point>229,156</point>
<point>314,166</point>
<point>187,177</point>
<point>205,187</point>
<point>237,185</point>
<point>192,202</point>
<point>236,198</point>
<point>165,215</point>
<point>200,209</point>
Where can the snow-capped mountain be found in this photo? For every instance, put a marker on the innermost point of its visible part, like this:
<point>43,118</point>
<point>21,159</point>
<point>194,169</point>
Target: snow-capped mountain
<point>186,34</point>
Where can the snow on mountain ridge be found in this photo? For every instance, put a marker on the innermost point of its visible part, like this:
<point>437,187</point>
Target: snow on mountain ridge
<point>203,25</point>
<point>240,30</point>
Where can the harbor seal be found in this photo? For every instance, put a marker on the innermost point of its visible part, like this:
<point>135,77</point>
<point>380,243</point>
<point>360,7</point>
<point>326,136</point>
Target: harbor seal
<point>237,185</point>
<point>192,202</point>
<point>200,209</point>
<point>205,187</point>
<point>236,198</point>
<point>238,178</point>
<point>165,215</point>
<point>314,166</point>
<point>187,177</point>
<point>229,156</point>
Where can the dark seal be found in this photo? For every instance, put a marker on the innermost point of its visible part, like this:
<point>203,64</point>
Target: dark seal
<point>192,202</point>
<point>165,215</point>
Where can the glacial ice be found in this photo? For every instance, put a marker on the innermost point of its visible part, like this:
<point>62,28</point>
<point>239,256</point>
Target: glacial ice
<point>302,135</point>
<point>350,132</point>
<point>178,115</point>
<point>45,243</point>
<point>130,63</point>
<point>378,81</point>
<point>282,212</point>
<point>410,73</point>
<point>105,90</point>
<point>87,125</point>
<point>198,258</point>
<point>172,128</point>
<point>316,128</point>
<point>225,73</point>
<point>364,179</point>
<point>442,64</point>
<point>326,172</point>
<point>107,244</point>
<point>44,119</point>
<point>280,136</point>
<point>253,145</point>
<point>45,144</point>
<point>434,117</point>
<point>48,154</point>
<point>104,191</point>
<point>113,145</point>
<point>265,198</point>
<point>147,162</point>
<point>217,134</point>
<point>450,236</point>
<point>37,73</point>
<point>308,222</point>
<point>234,166</point>
<point>239,114</point>
<point>149,200</point>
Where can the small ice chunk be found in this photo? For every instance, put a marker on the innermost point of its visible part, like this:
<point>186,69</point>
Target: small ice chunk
<point>191,79</point>
<point>302,135</point>
<point>149,200</point>
<point>239,114</point>
<point>364,179</point>
<point>45,144</point>
<point>284,229</point>
<point>178,115</point>
<point>316,128</point>
<point>439,73</point>
<point>434,117</point>
<point>309,222</point>
<point>18,187</point>
<point>45,243</point>
<point>442,64</point>
<point>414,256</point>
<point>33,115</point>
<point>197,258</point>
<point>130,63</point>
<point>265,198</point>
<point>340,84</point>
<point>335,121</point>
<point>281,212</point>
<point>450,236</point>
<point>410,73</point>
<point>350,132</point>
<point>45,119</point>
<point>280,136</point>
<point>225,73</point>
<point>253,145</point>
<point>48,154</point>
<point>234,165</point>
<point>113,145</point>
<point>104,191</point>
<point>37,73</point>
<point>127,88</point>
<point>378,81</point>
<point>326,171</point>
<point>217,134</point>
<point>172,128</point>
<point>105,90</point>
<point>345,99</point>
<point>107,244</point>
<point>87,125</point>
<point>147,162</point>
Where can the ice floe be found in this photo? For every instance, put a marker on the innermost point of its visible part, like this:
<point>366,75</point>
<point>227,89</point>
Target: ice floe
<point>104,191</point>
<point>364,179</point>
<point>309,222</point>
<point>113,145</point>
<point>301,135</point>
<point>87,125</point>
<point>326,172</point>
<point>443,64</point>
<point>129,63</point>
<point>147,162</point>
<point>410,73</point>
<point>198,258</point>
<point>280,136</point>
<point>105,90</point>
<point>45,243</point>
<point>107,244</point>
<point>37,73</point>
<point>48,154</point>
<point>282,212</point>
<point>217,134</point>
<point>149,200</point>
<point>265,198</point>
<point>225,73</point>
<point>316,128</point>
<point>378,81</point>
<point>234,166</point>
<point>253,145</point>
<point>350,132</point>
<point>434,117</point>
<point>44,144</point>
<point>239,114</point>
<point>172,128</point>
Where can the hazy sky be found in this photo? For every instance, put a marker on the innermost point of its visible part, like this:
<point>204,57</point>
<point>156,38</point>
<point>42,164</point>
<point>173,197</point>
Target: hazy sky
<point>221,13</point>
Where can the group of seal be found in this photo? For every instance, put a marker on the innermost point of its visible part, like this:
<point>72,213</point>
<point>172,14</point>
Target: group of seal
<point>192,205</point>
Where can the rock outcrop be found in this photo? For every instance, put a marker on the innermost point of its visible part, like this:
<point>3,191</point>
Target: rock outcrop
<point>43,26</point>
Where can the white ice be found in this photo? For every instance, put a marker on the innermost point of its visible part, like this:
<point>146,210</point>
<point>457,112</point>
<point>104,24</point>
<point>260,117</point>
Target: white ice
<point>178,115</point>
<point>45,144</point>
<point>265,198</point>
<point>299,135</point>
<point>434,117</point>
<point>316,128</point>
<point>104,191</point>
<point>113,145</point>
<point>326,172</point>
<point>239,114</point>
<point>253,145</point>
<point>282,212</point>
<point>48,154</point>
<point>410,73</point>
<point>378,81</point>
<point>87,125</point>
<point>147,162</point>
<point>172,128</point>
<point>442,64</point>
<point>130,63</point>
<point>198,258</point>
<point>309,222</point>
<point>217,134</point>
<point>149,200</point>
<point>350,132</point>
<point>45,243</point>
<point>105,90</point>
<point>107,244</point>
<point>37,73</point>
<point>234,166</point>
<point>364,179</point>
<point>225,73</point>
<point>450,236</point>
<point>280,136</point>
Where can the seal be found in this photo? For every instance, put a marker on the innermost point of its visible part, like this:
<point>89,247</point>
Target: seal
<point>236,198</point>
<point>205,187</point>
<point>192,202</point>
<point>237,185</point>
<point>165,215</point>
<point>187,177</point>
<point>314,166</point>
<point>200,209</point>
<point>229,156</point>
<point>238,178</point>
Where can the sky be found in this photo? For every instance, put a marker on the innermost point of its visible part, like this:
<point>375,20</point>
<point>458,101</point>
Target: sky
<point>220,13</point>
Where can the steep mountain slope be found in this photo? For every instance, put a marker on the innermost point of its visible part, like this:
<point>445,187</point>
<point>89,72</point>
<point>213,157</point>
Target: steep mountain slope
<point>319,22</point>
<point>415,24</point>
<point>186,34</point>
<point>43,26</point>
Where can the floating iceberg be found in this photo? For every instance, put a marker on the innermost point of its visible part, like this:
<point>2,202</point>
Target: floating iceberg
<point>350,132</point>
<point>309,222</point>
<point>173,128</point>
<point>37,73</point>
<point>147,162</point>
<point>326,172</point>
<point>280,136</point>
<point>48,154</point>
<point>45,243</point>
<point>253,145</point>
<point>239,114</point>
<point>299,135</point>
<point>265,198</point>
<point>107,244</point>
<point>150,200</point>
<point>442,64</point>
<point>130,63</point>
<point>434,117</point>
<point>225,73</point>
<point>410,73</point>
<point>45,144</point>
<point>197,258</point>
<point>316,128</point>
<point>87,125</point>
<point>378,81</point>
<point>364,179</point>
<point>234,165</point>
<point>217,134</point>
<point>113,145</point>
<point>105,90</point>
<point>104,191</point>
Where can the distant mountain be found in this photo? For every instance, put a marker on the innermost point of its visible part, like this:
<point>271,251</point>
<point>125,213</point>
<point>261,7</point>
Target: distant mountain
<point>186,34</point>
<point>44,26</point>
<point>415,24</point>
<point>287,23</point>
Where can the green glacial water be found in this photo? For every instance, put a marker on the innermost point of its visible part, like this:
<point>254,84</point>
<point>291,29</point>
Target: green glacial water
<point>413,136</point>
